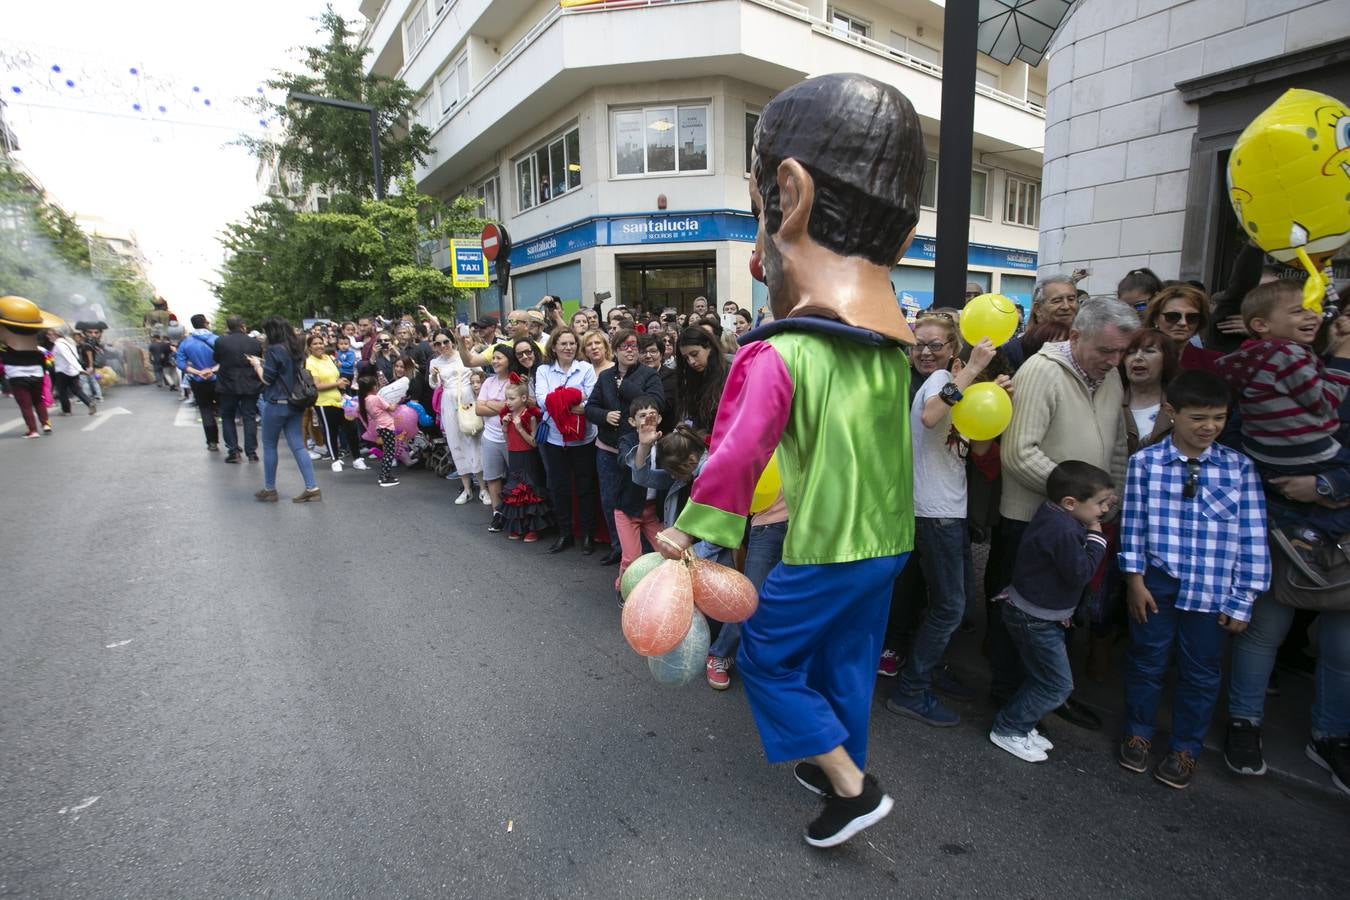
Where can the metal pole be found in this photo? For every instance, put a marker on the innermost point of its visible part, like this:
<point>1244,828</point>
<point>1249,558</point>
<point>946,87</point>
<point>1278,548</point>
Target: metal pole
<point>961,27</point>
<point>375,152</point>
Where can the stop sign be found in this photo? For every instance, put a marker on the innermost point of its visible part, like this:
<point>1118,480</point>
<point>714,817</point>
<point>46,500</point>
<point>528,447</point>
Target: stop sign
<point>492,241</point>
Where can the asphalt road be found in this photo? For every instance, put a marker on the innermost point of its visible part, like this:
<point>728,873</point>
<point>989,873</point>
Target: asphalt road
<point>204,696</point>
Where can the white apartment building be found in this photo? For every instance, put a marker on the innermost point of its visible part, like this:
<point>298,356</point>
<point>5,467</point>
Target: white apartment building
<point>612,140</point>
<point>1147,98</point>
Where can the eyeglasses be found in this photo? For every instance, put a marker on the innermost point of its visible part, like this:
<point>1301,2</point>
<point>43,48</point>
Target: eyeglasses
<point>440,343</point>
<point>1192,484</point>
<point>1174,318</point>
<point>933,347</point>
<point>524,353</point>
<point>631,345</point>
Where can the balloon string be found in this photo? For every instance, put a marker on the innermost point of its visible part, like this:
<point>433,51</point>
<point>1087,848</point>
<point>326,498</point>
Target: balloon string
<point>687,553</point>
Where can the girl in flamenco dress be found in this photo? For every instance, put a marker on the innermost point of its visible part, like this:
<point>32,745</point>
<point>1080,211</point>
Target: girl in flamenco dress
<point>527,513</point>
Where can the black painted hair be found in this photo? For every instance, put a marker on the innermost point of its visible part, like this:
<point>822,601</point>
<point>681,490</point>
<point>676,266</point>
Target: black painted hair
<point>1196,388</point>
<point>1077,479</point>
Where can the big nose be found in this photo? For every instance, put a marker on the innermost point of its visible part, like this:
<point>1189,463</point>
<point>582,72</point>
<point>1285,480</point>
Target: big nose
<point>756,267</point>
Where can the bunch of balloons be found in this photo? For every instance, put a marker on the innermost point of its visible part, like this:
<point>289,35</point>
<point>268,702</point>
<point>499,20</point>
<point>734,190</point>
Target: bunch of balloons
<point>664,606</point>
<point>984,411</point>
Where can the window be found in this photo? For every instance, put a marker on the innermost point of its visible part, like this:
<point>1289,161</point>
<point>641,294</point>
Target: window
<point>928,193</point>
<point>846,24</point>
<point>979,193</point>
<point>921,52</point>
<point>1022,202</point>
<point>486,194</point>
<point>988,79</point>
<point>438,5</point>
<point>425,111</point>
<point>751,121</point>
<point>661,139</point>
<point>418,27</point>
<point>549,172</point>
<point>1036,97</point>
<point>453,83</point>
<point>979,189</point>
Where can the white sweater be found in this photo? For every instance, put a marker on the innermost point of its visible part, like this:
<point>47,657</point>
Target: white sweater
<point>1055,419</point>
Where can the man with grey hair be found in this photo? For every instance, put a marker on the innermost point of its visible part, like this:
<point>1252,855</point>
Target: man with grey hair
<point>1068,401</point>
<point>1054,302</point>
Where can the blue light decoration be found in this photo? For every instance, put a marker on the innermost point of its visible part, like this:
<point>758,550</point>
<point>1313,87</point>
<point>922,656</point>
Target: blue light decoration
<point>262,122</point>
<point>69,83</point>
<point>136,106</point>
<point>56,68</point>
<point>16,89</point>
<point>134,71</point>
<point>207,101</point>
<point>163,109</point>
<point>196,90</point>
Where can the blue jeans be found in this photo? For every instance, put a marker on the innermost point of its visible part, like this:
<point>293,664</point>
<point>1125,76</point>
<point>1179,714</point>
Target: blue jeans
<point>941,546</point>
<point>763,551</point>
<point>611,482</point>
<point>1045,659</point>
<point>1198,640</point>
<point>279,418</point>
<point>1254,658</point>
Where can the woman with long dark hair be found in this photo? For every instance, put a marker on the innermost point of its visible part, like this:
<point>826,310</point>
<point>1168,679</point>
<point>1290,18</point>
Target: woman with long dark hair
<point>701,372</point>
<point>278,370</point>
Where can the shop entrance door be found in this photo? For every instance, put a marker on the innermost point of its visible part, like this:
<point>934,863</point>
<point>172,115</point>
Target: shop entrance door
<point>653,284</point>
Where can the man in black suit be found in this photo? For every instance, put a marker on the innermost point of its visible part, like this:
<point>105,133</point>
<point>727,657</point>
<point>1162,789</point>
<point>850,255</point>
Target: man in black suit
<point>238,387</point>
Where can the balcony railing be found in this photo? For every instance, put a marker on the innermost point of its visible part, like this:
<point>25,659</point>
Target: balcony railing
<point>786,7</point>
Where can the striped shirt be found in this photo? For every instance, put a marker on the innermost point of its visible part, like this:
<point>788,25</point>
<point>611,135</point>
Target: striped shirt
<point>1288,400</point>
<point>1213,542</point>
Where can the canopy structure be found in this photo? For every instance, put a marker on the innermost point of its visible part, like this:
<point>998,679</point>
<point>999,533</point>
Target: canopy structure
<point>1019,29</point>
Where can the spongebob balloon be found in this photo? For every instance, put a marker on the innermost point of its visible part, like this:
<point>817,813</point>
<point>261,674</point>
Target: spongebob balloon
<point>1289,180</point>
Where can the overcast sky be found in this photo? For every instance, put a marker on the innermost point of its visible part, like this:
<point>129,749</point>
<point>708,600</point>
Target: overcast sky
<point>170,176</point>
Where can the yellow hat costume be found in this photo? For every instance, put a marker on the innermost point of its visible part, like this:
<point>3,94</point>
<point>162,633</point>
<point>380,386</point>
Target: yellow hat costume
<point>1289,181</point>
<point>21,313</point>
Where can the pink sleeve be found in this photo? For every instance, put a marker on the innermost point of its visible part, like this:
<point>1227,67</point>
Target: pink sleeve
<point>751,417</point>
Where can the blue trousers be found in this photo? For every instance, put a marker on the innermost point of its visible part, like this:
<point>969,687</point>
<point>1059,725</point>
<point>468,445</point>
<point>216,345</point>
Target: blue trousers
<point>763,551</point>
<point>279,419</point>
<point>808,656</point>
<point>1045,660</point>
<point>1198,641</point>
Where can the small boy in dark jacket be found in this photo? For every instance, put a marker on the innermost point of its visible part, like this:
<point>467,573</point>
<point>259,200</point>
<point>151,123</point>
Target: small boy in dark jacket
<point>1062,548</point>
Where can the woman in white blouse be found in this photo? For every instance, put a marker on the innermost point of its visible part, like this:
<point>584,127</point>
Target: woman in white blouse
<point>569,451</point>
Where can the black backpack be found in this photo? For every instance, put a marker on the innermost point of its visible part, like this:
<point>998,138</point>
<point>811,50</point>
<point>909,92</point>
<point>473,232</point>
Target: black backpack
<point>304,394</point>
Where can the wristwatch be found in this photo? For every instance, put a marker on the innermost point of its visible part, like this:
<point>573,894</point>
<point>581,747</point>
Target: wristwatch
<point>950,394</point>
<point>1323,486</point>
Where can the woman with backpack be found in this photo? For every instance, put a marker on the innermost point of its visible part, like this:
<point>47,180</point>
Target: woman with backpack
<point>279,370</point>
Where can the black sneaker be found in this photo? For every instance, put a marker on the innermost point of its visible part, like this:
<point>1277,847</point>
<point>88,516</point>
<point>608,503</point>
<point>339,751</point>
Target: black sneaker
<point>813,778</point>
<point>232,457</point>
<point>1332,754</point>
<point>1176,770</point>
<point>388,482</point>
<point>253,457</point>
<point>1242,748</point>
<point>498,522</point>
<point>1133,754</point>
<point>843,817</point>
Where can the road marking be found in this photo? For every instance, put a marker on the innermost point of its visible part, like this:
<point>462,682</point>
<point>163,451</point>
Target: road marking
<point>78,807</point>
<point>10,426</point>
<point>105,415</point>
<point>117,644</point>
<point>186,417</point>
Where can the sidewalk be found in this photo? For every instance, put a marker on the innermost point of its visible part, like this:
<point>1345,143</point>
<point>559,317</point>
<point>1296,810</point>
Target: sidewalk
<point>1284,730</point>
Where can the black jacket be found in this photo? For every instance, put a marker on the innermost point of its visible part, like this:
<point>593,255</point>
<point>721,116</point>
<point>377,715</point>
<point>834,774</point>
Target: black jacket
<point>236,375</point>
<point>609,395</point>
<point>1056,560</point>
<point>632,497</point>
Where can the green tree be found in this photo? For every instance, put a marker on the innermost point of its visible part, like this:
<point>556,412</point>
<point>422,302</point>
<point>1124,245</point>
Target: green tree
<point>45,256</point>
<point>370,256</point>
<point>330,147</point>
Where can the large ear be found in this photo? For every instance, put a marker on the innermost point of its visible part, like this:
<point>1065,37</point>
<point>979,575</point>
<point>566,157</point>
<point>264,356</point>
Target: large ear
<point>796,196</point>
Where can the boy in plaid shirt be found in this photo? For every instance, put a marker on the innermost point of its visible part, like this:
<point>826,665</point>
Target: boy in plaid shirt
<point>1193,553</point>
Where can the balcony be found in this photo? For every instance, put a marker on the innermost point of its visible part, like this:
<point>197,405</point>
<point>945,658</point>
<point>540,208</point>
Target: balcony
<point>774,43</point>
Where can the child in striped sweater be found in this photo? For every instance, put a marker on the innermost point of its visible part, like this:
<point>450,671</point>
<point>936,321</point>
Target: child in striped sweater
<point>1289,404</point>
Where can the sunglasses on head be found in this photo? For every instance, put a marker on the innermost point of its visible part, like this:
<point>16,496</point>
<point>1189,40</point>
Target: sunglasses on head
<point>1173,317</point>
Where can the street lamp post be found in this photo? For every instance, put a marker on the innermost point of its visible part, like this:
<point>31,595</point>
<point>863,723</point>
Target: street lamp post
<point>358,107</point>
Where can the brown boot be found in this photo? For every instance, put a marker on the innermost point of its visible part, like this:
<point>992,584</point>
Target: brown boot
<point>266,496</point>
<point>308,495</point>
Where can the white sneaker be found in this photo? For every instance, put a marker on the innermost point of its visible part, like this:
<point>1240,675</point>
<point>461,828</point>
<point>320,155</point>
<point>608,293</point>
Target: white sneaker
<point>463,498</point>
<point>1040,740</point>
<point>1019,746</point>
<point>484,497</point>
<point>359,463</point>
<point>314,454</point>
<point>337,465</point>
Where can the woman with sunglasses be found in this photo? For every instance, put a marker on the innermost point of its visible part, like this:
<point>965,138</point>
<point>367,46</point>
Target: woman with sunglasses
<point>615,390</point>
<point>1181,311</point>
<point>448,372</point>
<point>529,355</point>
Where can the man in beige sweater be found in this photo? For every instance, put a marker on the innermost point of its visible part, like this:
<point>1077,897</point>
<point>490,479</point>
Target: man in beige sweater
<point>1067,405</point>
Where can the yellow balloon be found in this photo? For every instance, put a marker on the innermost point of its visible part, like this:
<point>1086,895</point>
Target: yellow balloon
<point>770,484</point>
<point>1288,177</point>
<point>983,413</point>
<point>992,316</point>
